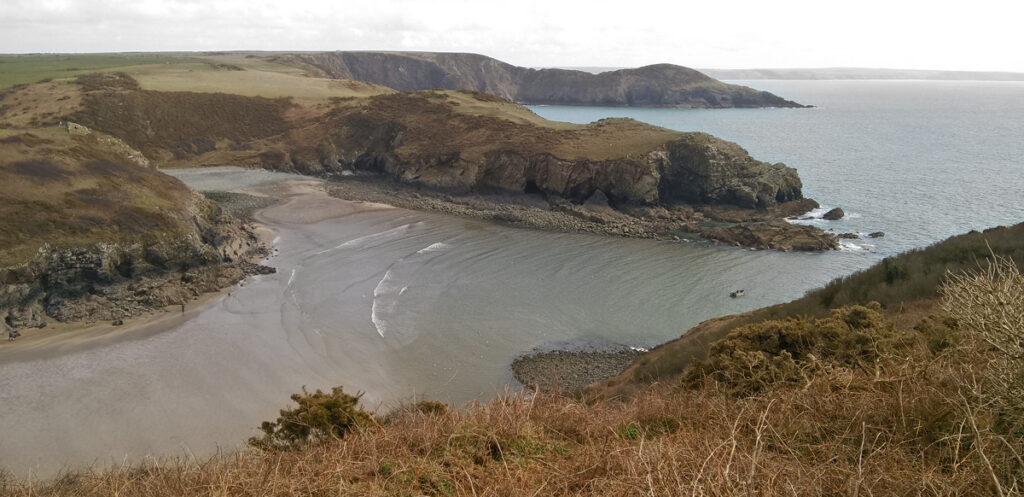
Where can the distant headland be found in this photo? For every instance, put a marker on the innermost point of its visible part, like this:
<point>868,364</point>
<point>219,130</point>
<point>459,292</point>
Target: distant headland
<point>659,85</point>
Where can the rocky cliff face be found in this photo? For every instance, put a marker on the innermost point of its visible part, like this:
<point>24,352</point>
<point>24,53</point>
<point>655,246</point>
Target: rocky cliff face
<point>716,172</point>
<point>117,280</point>
<point>659,85</point>
<point>90,232</point>
<point>703,169</point>
<point>476,153</point>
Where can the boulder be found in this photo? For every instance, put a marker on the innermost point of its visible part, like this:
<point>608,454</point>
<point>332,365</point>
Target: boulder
<point>775,234</point>
<point>876,234</point>
<point>848,236</point>
<point>834,214</point>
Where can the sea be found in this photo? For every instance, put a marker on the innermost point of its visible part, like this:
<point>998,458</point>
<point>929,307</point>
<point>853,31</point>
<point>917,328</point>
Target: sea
<point>403,306</point>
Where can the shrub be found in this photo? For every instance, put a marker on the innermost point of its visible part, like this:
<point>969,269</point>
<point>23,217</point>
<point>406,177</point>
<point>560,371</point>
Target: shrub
<point>758,356</point>
<point>989,304</point>
<point>319,417</point>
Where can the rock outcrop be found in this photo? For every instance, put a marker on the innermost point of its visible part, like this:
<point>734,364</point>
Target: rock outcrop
<point>774,234</point>
<point>834,214</point>
<point>659,85</point>
<point>109,282</point>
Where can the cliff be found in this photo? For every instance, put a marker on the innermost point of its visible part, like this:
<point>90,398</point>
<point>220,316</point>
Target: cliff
<point>91,232</point>
<point>659,85</point>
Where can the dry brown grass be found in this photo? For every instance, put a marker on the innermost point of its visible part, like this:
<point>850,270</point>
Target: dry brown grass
<point>38,104</point>
<point>445,123</point>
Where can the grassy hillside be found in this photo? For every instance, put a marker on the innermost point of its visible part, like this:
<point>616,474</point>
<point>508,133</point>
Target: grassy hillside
<point>77,189</point>
<point>240,124</point>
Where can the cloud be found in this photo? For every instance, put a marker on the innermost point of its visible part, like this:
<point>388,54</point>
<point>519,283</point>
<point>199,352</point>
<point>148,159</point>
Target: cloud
<point>725,33</point>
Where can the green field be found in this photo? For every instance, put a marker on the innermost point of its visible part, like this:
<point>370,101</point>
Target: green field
<point>20,69</point>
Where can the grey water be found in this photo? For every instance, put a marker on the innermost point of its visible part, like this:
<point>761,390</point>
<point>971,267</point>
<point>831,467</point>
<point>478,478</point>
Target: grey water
<point>405,305</point>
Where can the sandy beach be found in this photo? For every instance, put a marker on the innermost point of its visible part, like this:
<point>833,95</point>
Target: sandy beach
<point>301,201</point>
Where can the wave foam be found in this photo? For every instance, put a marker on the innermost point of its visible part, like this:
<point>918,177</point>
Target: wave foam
<point>355,242</point>
<point>853,247</point>
<point>434,247</point>
<point>385,300</point>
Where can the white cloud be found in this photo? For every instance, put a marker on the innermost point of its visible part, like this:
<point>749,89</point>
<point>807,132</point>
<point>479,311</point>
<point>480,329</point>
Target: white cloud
<point>979,35</point>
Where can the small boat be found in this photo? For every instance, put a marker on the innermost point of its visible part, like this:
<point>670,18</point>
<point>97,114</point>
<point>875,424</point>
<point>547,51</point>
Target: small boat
<point>737,293</point>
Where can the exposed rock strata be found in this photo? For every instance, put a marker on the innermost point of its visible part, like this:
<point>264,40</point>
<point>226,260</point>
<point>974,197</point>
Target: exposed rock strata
<point>673,222</point>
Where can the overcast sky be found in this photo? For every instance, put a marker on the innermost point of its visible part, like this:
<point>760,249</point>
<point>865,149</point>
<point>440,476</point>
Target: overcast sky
<point>912,34</point>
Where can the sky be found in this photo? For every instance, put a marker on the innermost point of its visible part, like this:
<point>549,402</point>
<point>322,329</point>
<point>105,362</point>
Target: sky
<point>729,34</point>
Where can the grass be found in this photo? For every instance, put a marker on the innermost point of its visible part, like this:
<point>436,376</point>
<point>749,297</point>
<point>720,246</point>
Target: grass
<point>181,124</point>
<point>233,109</point>
<point>443,123</point>
<point>241,73</point>
<point>73,190</point>
<point>22,69</point>
<point>257,84</point>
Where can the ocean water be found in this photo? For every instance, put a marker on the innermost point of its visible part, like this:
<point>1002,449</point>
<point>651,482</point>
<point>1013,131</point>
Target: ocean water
<point>918,160</point>
<point>408,305</point>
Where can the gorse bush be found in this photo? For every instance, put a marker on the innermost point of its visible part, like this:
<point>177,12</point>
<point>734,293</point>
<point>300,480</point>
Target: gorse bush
<point>765,355</point>
<point>319,417</point>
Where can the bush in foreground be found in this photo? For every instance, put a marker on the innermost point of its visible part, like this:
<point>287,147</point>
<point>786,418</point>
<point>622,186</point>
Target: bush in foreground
<point>319,417</point>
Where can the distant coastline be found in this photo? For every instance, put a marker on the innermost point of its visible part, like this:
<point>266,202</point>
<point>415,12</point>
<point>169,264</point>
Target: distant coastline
<point>856,73</point>
<point>839,73</point>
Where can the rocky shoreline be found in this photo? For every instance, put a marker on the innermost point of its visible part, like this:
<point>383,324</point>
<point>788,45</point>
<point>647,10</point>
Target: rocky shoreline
<point>571,370</point>
<point>241,206</point>
<point>734,226</point>
<point>113,282</point>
